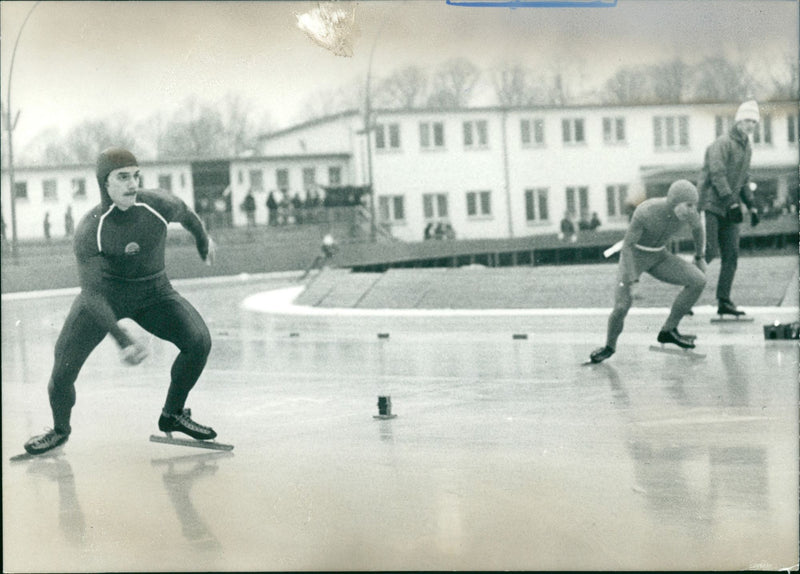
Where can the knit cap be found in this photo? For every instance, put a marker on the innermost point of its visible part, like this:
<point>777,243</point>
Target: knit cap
<point>748,111</point>
<point>109,160</point>
<point>681,191</point>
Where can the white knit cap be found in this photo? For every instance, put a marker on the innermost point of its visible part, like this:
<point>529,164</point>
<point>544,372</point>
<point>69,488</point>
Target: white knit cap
<point>748,111</point>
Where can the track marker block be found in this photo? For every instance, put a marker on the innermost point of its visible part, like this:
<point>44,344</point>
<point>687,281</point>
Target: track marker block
<point>520,336</point>
<point>383,335</point>
<point>384,409</point>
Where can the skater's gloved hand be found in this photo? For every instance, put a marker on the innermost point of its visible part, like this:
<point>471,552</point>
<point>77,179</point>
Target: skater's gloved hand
<point>754,218</point>
<point>134,353</point>
<point>212,252</point>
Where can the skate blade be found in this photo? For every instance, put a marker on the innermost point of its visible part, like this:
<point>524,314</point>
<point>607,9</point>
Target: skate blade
<point>209,444</point>
<point>737,319</point>
<point>680,352</point>
<point>56,452</point>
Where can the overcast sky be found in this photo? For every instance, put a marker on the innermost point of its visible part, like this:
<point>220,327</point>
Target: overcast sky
<point>89,60</point>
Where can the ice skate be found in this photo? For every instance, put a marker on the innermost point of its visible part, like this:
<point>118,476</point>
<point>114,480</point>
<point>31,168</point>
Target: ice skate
<point>675,338</point>
<point>201,435</point>
<point>599,355</point>
<point>728,312</point>
<point>686,345</point>
<point>43,443</point>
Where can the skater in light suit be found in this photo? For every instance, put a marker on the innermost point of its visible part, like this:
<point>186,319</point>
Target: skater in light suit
<point>644,249</point>
<point>119,246</point>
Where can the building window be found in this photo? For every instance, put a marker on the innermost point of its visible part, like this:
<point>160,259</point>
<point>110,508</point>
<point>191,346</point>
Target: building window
<point>393,131</point>
<point>572,130</point>
<point>256,180</point>
<point>49,190</point>
<point>282,179</point>
<point>78,185</point>
<point>165,182</point>
<point>793,127</point>
<point>616,197</point>
<point>722,125</point>
<point>536,207</point>
<point>335,175</point>
<point>532,132</point>
<point>479,203</point>
<point>613,130</point>
<point>763,132</point>
<point>476,134</point>
<point>431,135</point>
<point>434,205</point>
<point>21,189</point>
<point>309,178</point>
<point>578,200</point>
<point>671,132</point>
<point>391,208</point>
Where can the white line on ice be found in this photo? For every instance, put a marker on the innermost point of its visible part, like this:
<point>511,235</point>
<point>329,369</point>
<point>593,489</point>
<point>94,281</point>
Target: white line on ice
<point>281,302</point>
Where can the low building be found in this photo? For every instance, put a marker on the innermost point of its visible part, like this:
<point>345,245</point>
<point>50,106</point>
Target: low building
<point>487,172</point>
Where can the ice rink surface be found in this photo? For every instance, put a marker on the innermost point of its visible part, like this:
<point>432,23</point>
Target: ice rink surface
<point>506,452</point>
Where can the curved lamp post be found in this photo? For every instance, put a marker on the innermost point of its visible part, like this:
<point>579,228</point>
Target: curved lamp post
<point>10,125</point>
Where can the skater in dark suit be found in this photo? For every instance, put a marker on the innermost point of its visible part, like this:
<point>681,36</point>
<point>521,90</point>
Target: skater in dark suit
<point>119,247</point>
<point>644,249</point>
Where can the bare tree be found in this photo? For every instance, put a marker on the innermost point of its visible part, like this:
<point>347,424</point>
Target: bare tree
<point>784,80</point>
<point>85,141</point>
<point>514,86</point>
<point>237,119</point>
<point>718,79</point>
<point>670,81</point>
<point>46,148</point>
<point>195,131</point>
<point>403,89</point>
<point>627,86</point>
<point>332,101</point>
<point>453,83</point>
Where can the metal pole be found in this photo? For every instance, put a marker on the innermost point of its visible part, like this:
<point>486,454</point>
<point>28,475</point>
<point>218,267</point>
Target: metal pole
<point>10,125</point>
<point>368,131</point>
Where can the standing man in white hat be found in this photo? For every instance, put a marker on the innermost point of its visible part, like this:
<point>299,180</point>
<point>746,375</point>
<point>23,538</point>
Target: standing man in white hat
<point>724,186</point>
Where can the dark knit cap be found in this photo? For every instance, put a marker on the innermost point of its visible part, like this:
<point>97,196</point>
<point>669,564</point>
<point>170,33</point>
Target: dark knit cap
<point>109,160</point>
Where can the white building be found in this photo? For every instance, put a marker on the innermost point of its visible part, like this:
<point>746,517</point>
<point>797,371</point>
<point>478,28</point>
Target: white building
<point>495,172</point>
<point>490,172</point>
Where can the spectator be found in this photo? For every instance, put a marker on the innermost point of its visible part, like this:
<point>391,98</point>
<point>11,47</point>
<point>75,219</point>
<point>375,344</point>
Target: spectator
<point>595,222</point>
<point>724,186</point>
<point>272,209</point>
<point>283,208</point>
<point>428,231</point>
<point>69,222</point>
<point>584,224</point>
<point>297,208</point>
<point>47,226</point>
<point>249,207</point>
<point>568,228</point>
